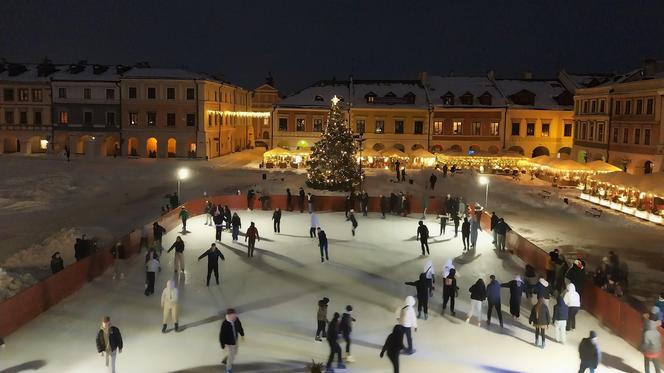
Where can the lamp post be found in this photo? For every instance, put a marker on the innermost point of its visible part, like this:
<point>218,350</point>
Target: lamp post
<point>485,181</point>
<point>183,173</point>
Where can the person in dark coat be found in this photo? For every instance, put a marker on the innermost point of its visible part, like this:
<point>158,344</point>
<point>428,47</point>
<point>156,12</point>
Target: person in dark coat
<point>351,217</point>
<point>494,221</point>
<point>218,220</point>
<point>213,254</point>
<point>393,346</point>
<point>432,181</point>
<point>289,200</point>
<point>230,329</point>
<point>178,261</point>
<point>423,236</point>
<point>252,236</point>
<point>517,288</point>
<point>542,290</point>
<point>465,234</point>
<point>443,223</point>
<point>393,203</point>
<point>322,244</point>
<point>560,315</point>
<point>346,327</point>
<point>250,199</point>
<point>236,223</point>
<point>403,174</point>
<point>228,217</point>
<point>300,200</point>
<point>383,206</point>
<point>445,170</point>
<point>589,353</point>
<point>477,296</point>
<point>397,168</point>
<point>577,275</point>
<point>335,348</point>
<point>57,264</point>
<point>456,219</point>
<point>109,342</point>
<point>450,290</point>
<point>158,232</point>
<point>276,217</point>
<point>501,229</point>
<point>347,205</point>
<point>493,298</point>
<point>422,289</point>
<point>321,319</point>
<point>540,319</point>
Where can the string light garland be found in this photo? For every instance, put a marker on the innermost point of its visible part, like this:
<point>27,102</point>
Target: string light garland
<point>241,114</point>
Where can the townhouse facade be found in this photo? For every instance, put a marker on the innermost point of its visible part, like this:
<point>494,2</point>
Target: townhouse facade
<point>264,98</point>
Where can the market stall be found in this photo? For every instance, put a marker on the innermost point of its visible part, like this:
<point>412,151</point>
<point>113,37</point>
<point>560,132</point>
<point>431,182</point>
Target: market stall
<point>421,158</point>
<point>300,157</point>
<point>277,157</point>
<point>484,162</point>
<point>370,158</point>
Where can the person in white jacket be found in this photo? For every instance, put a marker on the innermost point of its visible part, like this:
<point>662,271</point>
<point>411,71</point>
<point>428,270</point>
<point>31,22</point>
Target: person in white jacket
<point>314,224</point>
<point>430,272</point>
<point>446,269</point>
<point>408,320</point>
<point>573,301</point>
<point>169,304</point>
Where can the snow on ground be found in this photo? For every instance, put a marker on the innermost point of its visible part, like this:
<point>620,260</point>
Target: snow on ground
<point>276,294</point>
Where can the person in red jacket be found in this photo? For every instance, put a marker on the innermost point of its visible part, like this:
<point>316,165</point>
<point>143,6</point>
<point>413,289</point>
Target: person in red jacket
<point>252,236</point>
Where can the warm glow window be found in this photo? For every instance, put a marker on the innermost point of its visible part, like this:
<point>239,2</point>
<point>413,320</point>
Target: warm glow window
<point>300,124</point>
<point>37,95</point>
<point>152,118</point>
<point>318,125</point>
<point>477,128</point>
<point>495,129</point>
<point>438,128</point>
<point>23,94</point>
<point>360,126</point>
<point>380,126</point>
<point>63,118</point>
<point>133,119</point>
<point>545,129</point>
<point>457,127</point>
<point>530,129</point>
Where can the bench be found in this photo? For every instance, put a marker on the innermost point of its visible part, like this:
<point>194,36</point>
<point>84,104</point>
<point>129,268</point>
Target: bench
<point>594,212</point>
<point>545,194</point>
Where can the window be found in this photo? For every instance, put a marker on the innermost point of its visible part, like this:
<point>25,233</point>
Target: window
<point>87,118</point>
<point>495,129</point>
<point>398,126</point>
<point>438,128</point>
<point>283,124</point>
<point>419,127</point>
<point>545,129</point>
<point>600,132</point>
<point>617,107</point>
<point>584,130</point>
<point>530,129</point>
<point>170,119</point>
<point>37,95</point>
<point>152,118</point>
<point>209,120</point>
<point>23,94</point>
<point>87,93</point>
<point>615,135</point>
<point>110,94</point>
<point>190,94</point>
<point>516,128</point>
<point>8,94</point>
<point>191,120</point>
<point>62,92</point>
<point>457,127</point>
<point>371,99</point>
<point>110,119</point>
<point>132,92</point>
<point>300,124</point>
<point>602,106</point>
<point>448,99</point>
<point>38,117</point>
<point>9,117</point>
<point>593,106</point>
<point>152,93</point>
<point>585,106</point>
<point>639,107</point>
<point>477,128</point>
<point>133,119</point>
<point>637,136</point>
<point>318,125</point>
<point>360,125</point>
<point>170,93</point>
<point>591,131</point>
<point>380,126</point>
<point>646,136</point>
<point>63,118</point>
<point>567,130</point>
<point>625,135</point>
<point>23,117</point>
<point>628,107</point>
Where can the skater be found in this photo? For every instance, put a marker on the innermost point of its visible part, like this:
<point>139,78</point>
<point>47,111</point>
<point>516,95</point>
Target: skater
<point>408,321</point>
<point>228,217</point>
<point>68,154</point>
<point>335,348</point>
<point>450,291</point>
<point>300,200</point>
<point>456,219</point>
<point>310,203</point>
<point>425,206</point>
<point>364,200</point>
<point>573,301</point>
<point>494,221</point>
<point>443,223</point>
<point>314,224</point>
<point>531,280</point>
<point>209,207</point>
<point>117,252</point>
<point>346,327</point>
<point>501,229</point>
<point>276,217</point>
<point>58,264</point>
<point>589,353</point>
<point>289,200</point>
<point>422,295</point>
<point>109,342</point>
<point>383,206</point>
<point>403,174</point>
<point>236,224</point>
<point>493,300</point>
<point>252,236</point>
<point>213,254</point>
<point>251,196</point>
<point>517,288</point>
<point>178,263</point>
<point>322,244</point>
<point>351,217</point>
<point>151,268</point>
<point>651,346</point>
<point>445,170</point>
<point>465,234</point>
<point>449,265</point>
<point>157,233</point>
<point>423,236</point>
<point>577,275</point>
<point>218,226</point>
<point>169,305</point>
<point>231,327</point>
<point>432,181</point>
<point>184,215</point>
<point>321,319</point>
<point>542,290</point>
<point>474,229</point>
<point>560,315</point>
<point>477,296</point>
<point>430,272</point>
<point>539,318</point>
<point>397,168</point>
<point>393,346</point>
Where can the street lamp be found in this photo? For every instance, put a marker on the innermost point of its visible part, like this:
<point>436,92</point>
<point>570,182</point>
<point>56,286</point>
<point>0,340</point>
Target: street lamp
<point>485,181</point>
<point>183,173</point>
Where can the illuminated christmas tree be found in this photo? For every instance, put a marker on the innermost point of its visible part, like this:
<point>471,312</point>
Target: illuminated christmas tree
<point>332,164</point>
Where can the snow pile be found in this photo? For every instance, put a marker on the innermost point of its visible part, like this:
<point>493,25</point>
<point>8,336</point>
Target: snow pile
<point>11,283</point>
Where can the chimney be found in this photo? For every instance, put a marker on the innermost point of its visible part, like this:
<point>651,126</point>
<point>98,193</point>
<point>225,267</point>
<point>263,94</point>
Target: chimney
<point>528,75</point>
<point>423,76</point>
<point>491,75</point>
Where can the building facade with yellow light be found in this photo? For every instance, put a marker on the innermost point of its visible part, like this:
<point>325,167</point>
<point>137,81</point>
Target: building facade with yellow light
<point>264,98</point>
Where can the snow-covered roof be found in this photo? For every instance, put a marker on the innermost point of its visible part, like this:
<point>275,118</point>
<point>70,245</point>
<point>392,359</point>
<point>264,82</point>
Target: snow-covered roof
<point>545,93</point>
<point>389,93</point>
<point>317,95</point>
<point>161,73</point>
<point>458,86</point>
<point>30,74</point>
<point>87,73</point>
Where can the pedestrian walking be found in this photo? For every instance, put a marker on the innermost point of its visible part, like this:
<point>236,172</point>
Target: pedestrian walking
<point>178,262</point>
<point>58,264</point>
<point>383,206</point>
<point>494,221</point>
<point>321,319</point>
<point>425,205</point>
<point>432,181</point>
<point>493,300</point>
<point>540,319</point>
<point>184,215</point>
<point>218,226</point>
<point>300,200</point>
<point>151,268</point>
<point>465,234</point>
<point>276,217</point>
<point>477,296</point>
<point>408,321</point>
<point>589,353</point>
<point>397,168</point>
<point>393,346</point>
<point>109,342</point>
<point>209,212</point>
<point>230,329</point>
<point>560,316</point>
<point>577,275</point>
<point>365,203</point>
<point>332,340</point>
<point>403,174</point>
<point>474,229</point>
<point>517,288</point>
<point>450,291</point>
<point>430,273</point>
<point>213,254</point>
<point>501,229</point>
<point>573,301</point>
<point>236,224</point>
<point>445,170</point>
<point>158,233</point>
<point>443,223</point>
<point>252,236</point>
<point>228,217</point>
<point>289,200</point>
<point>169,305</point>
<point>67,152</point>
<point>422,295</point>
<point>117,252</point>
<point>423,236</point>
<point>322,244</point>
<point>542,291</point>
<point>310,203</point>
<point>251,196</point>
<point>346,328</point>
<point>651,345</point>
<point>314,224</point>
<point>449,265</point>
<point>456,219</point>
<point>353,221</point>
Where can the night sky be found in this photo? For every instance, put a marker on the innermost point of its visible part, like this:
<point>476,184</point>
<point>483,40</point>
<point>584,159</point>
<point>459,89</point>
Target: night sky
<point>304,41</point>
